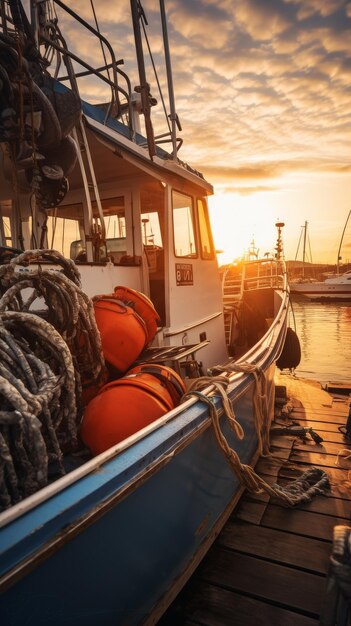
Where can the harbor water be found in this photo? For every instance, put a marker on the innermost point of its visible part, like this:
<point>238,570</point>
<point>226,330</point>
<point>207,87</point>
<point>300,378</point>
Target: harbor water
<point>324,330</point>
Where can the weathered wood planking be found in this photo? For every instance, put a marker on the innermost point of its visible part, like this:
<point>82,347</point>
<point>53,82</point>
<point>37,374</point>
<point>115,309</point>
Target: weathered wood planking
<point>276,545</point>
<point>327,505</point>
<point>306,523</point>
<point>319,426</point>
<point>210,605</point>
<point>319,416</point>
<point>336,473</point>
<point>336,386</point>
<point>321,459</point>
<point>332,441</point>
<point>250,575</point>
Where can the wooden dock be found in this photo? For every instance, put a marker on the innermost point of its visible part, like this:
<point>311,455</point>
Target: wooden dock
<point>269,564</point>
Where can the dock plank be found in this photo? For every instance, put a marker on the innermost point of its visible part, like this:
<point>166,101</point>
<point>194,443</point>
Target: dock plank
<point>293,470</point>
<point>320,459</point>
<point>210,605</point>
<point>253,576</point>
<point>319,416</point>
<point>276,545</point>
<point>335,438</point>
<point>251,511</point>
<point>300,522</point>
<point>330,406</point>
<point>327,505</point>
<point>318,426</point>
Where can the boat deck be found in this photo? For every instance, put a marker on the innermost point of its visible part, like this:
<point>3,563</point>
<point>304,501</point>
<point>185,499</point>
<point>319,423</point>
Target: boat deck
<point>269,564</point>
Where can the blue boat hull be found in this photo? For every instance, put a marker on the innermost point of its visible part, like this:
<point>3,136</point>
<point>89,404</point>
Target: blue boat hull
<point>110,547</point>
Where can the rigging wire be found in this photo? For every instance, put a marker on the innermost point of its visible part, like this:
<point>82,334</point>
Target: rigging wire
<point>143,23</point>
<point>54,224</point>
<point>101,44</point>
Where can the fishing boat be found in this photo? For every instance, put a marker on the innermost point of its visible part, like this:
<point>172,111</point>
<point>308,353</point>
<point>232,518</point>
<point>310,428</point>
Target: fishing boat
<point>336,287</point>
<point>94,206</point>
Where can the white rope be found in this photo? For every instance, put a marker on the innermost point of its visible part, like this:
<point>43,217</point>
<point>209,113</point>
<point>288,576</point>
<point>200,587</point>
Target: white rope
<point>260,401</point>
<point>312,482</point>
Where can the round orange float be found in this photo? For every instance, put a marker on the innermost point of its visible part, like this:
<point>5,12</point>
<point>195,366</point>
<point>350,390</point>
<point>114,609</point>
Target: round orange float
<point>167,377</point>
<point>123,332</point>
<point>123,407</point>
<point>142,305</point>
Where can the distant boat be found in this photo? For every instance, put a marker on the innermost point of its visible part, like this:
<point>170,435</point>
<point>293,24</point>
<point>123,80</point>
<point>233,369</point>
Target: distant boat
<point>335,287</point>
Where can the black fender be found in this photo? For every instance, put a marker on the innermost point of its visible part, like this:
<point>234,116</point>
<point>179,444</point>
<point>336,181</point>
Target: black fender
<point>290,356</point>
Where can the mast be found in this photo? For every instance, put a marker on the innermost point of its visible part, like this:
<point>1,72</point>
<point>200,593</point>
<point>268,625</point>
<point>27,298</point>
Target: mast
<point>342,237</point>
<point>144,88</point>
<point>304,231</point>
<point>304,250</point>
<point>173,116</point>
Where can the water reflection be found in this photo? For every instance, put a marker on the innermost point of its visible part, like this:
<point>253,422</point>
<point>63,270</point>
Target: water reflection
<point>324,330</point>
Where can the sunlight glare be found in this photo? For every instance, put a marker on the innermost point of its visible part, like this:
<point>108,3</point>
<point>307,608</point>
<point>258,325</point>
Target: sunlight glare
<point>237,220</point>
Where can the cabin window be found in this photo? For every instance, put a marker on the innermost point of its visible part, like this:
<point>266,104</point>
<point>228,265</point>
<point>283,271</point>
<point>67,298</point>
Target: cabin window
<point>115,247</point>
<point>6,231</point>
<point>152,240</point>
<point>61,233</point>
<point>116,230</point>
<point>150,229</point>
<point>183,225</point>
<point>207,250</point>
<point>115,220</point>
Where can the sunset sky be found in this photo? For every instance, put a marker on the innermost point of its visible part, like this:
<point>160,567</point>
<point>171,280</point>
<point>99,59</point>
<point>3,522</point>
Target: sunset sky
<point>263,93</point>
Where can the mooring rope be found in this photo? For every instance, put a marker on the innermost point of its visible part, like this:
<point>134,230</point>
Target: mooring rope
<point>260,400</point>
<point>314,481</point>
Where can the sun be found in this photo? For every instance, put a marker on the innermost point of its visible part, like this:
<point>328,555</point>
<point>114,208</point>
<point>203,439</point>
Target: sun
<point>237,220</point>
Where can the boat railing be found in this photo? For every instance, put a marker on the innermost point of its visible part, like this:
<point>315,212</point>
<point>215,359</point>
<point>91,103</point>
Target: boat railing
<point>249,276</point>
<point>257,274</point>
<point>57,42</point>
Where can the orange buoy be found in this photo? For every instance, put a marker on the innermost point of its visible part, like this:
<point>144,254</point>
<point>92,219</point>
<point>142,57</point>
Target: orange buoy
<point>142,305</point>
<point>121,408</point>
<point>123,332</point>
<point>167,376</point>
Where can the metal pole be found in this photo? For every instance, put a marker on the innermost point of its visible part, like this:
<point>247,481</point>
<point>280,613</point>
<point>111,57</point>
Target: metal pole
<point>173,115</point>
<point>144,86</point>
<point>304,250</point>
<point>342,237</point>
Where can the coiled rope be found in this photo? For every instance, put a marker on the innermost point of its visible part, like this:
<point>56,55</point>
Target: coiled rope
<point>314,481</point>
<point>62,303</point>
<point>44,355</point>
<point>38,416</point>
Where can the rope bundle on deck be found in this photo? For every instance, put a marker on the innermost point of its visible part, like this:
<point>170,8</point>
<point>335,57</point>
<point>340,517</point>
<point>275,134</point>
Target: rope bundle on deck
<point>44,354</point>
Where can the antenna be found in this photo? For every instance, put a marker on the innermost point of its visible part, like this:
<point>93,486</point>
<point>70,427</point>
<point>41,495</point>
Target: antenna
<point>279,246</point>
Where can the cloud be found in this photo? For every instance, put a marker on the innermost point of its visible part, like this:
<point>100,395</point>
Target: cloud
<point>325,8</point>
<point>262,21</point>
<point>247,191</point>
<point>262,85</point>
<point>272,170</point>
